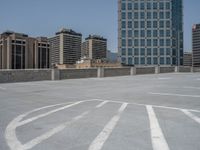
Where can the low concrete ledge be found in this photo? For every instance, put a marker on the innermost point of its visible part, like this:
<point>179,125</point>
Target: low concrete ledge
<point>111,72</point>
<point>8,76</point>
<point>145,70</point>
<point>78,73</point>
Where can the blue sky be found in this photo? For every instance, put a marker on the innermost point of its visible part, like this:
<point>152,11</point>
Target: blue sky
<point>45,17</point>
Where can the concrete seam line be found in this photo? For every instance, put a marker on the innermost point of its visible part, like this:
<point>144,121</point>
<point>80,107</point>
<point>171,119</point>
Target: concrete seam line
<point>157,137</point>
<point>190,115</point>
<point>99,141</point>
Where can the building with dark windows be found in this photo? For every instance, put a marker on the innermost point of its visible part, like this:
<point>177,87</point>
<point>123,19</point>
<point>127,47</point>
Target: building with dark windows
<point>196,45</point>
<point>150,32</point>
<point>65,47</point>
<point>19,51</point>
<point>42,53</point>
<point>94,47</point>
<point>187,59</point>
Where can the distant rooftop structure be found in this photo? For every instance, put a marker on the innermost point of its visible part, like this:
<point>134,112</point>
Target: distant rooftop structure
<point>96,37</point>
<point>8,32</point>
<point>68,31</point>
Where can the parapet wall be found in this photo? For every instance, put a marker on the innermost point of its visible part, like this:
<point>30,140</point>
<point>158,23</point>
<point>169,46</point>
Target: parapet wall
<point>7,76</point>
<point>111,72</point>
<point>77,73</point>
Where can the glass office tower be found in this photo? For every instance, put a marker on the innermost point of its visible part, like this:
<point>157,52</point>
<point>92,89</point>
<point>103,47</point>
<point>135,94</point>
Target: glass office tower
<point>150,32</point>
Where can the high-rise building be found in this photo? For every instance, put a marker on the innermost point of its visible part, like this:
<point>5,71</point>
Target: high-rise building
<point>94,47</point>
<point>19,51</point>
<point>150,32</point>
<point>65,47</point>
<point>196,45</point>
<point>187,59</point>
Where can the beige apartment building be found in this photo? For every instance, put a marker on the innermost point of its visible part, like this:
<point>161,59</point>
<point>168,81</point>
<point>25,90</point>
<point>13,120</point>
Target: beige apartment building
<point>66,47</point>
<point>94,47</point>
<point>196,45</point>
<point>18,51</point>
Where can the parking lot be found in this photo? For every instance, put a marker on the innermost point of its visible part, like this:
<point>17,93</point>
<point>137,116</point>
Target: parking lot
<point>146,112</point>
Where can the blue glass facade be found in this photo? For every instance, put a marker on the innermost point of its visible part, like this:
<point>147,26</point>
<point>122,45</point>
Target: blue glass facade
<point>150,32</point>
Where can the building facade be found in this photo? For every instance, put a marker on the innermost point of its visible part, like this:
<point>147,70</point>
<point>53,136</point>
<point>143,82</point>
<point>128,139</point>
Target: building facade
<point>66,47</point>
<point>150,32</point>
<point>187,59</point>
<point>196,45</point>
<point>94,47</point>
<point>19,51</point>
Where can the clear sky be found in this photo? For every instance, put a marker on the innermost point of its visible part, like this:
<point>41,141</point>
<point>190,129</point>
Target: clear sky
<point>45,17</point>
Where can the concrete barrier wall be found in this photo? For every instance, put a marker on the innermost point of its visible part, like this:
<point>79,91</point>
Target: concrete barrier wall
<point>8,76</point>
<point>184,69</point>
<point>195,69</point>
<point>167,69</point>
<point>111,72</point>
<point>145,70</point>
<point>77,73</point>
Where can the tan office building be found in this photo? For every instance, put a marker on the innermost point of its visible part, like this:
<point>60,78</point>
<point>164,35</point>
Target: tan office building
<point>18,51</point>
<point>187,59</point>
<point>94,47</point>
<point>66,47</point>
<point>196,45</point>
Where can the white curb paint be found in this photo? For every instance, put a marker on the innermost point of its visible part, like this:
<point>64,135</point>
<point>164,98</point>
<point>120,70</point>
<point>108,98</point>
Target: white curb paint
<point>192,116</point>
<point>157,137</point>
<point>99,141</point>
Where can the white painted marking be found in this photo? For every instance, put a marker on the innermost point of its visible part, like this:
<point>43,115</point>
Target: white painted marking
<point>190,87</point>
<point>157,137</point>
<point>157,106</point>
<point>52,132</point>
<point>99,141</point>
<point>46,114</point>
<point>173,94</point>
<point>101,104</point>
<point>10,133</point>
<point>192,116</point>
<point>2,88</point>
<point>164,78</point>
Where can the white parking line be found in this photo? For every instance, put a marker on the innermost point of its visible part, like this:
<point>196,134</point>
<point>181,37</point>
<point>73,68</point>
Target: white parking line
<point>52,132</point>
<point>157,137</point>
<point>2,88</point>
<point>192,116</point>
<point>190,87</point>
<point>46,114</point>
<point>101,104</point>
<point>10,133</point>
<point>164,78</point>
<point>173,94</point>
<point>99,141</point>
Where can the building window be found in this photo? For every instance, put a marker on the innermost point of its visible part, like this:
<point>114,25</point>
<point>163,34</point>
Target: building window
<point>129,24</point>
<point>148,42</point>
<point>130,33</point>
<point>162,51</point>
<point>155,42</point>
<point>142,52</point>
<point>130,42</point>
<point>149,60</point>
<point>142,33</point>
<point>130,61</point>
<point>129,15</point>
<point>142,60</point>
<point>136,60</point>
<point>123,15</point>
<point>148,33</point>
<point>136,51</point>
<point>123,33</point>
<point>142,42</point>
<point>148,52</point>
<point>129,6</point>
<point>155,60</point>
<point>123,6</point>
<point>162,62</point>
<point>130,52</point>
<point>123,52</point>
<point>155,51</point>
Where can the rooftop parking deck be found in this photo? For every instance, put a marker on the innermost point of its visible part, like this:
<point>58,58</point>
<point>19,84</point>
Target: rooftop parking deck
<point>146,112</point>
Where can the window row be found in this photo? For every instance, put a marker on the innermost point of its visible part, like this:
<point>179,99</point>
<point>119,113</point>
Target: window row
<point>146,52</point>
<point>146,15</point>
<point>146,42</point>
<point>145,24</point>
<point>144,5</point>
<point>147,61</point>
<point>145,33</point>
